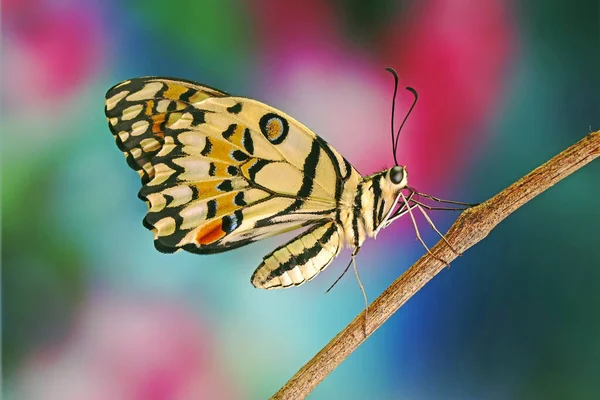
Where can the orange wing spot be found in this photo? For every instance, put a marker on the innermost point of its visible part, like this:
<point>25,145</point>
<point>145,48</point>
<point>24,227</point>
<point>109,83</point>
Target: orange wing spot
<point>274,128</point>
<point>207,189</point>
<point>157,121</point>
<point>245,167</point>
<point>238,135</point>
<point>149,107</point>
<point>174,91</point>
<point>210,233</point>
<point>221,151</point>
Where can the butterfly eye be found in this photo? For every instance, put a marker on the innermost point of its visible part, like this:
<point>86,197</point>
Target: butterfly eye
<point>396,174</point>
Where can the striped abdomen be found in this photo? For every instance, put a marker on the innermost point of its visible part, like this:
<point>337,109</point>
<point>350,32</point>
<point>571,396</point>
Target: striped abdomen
<point>299,260</point>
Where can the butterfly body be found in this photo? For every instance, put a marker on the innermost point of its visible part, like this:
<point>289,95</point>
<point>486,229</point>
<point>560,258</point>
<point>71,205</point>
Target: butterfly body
<point>220,172</point>
<point>370,202</point>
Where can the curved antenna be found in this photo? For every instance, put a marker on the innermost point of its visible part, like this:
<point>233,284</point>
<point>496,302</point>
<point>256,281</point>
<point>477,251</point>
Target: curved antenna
<point>414,92</point>
<point>393,72</point>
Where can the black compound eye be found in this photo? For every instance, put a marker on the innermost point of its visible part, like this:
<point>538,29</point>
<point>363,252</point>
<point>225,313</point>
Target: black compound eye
<point>396,175</point>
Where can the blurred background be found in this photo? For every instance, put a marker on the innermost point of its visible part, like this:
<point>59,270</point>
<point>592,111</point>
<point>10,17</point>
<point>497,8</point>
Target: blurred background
<point>92,311</point>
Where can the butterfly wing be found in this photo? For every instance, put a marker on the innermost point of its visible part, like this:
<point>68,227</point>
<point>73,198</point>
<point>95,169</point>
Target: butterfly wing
<point>218,171</point>
<point>138,110</point>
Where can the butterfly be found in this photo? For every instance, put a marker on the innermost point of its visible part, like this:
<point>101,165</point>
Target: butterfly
<point>219,172</point>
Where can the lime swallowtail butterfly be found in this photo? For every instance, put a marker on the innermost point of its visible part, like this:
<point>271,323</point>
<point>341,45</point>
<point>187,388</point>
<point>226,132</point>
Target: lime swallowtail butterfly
<point>219,172</point>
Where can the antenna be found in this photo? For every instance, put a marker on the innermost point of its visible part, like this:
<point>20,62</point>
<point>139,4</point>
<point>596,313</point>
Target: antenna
<point>415,94</point>
<point>393,72</point>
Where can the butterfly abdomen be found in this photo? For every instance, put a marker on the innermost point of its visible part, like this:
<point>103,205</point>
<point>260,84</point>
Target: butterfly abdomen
<point>299,260</point>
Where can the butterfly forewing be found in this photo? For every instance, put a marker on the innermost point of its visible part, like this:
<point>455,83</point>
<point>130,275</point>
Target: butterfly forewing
<point>139,109</point>
<point>219,172</point>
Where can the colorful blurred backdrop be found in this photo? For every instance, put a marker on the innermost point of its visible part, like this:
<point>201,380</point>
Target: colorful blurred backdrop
<point>92,311</point>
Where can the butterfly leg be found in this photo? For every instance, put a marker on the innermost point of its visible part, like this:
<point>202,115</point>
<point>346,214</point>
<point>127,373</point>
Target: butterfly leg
<point>299,260</point>
<point>362,288</point>
<point>436,229</point>
<point>409,209</point>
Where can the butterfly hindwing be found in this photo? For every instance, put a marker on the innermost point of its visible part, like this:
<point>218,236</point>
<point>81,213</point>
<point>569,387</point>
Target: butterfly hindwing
<point>218,171</point>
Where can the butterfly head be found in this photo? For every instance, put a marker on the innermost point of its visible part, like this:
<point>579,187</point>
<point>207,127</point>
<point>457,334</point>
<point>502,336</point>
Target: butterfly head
<point>386,187</point>
<point>398,177</point>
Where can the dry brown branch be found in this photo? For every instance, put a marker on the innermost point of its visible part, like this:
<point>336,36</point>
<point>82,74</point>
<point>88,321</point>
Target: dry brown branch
<point>472,226</point>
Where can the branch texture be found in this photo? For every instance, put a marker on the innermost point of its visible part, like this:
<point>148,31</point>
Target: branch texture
<point>471,226</point>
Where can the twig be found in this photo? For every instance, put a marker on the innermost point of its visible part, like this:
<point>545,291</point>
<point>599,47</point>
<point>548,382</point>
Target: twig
<point>472,226</point>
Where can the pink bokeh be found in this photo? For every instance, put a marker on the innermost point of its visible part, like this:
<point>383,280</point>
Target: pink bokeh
<point>454,53</point>
<point>121,349</point>
<point>51,49</point>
